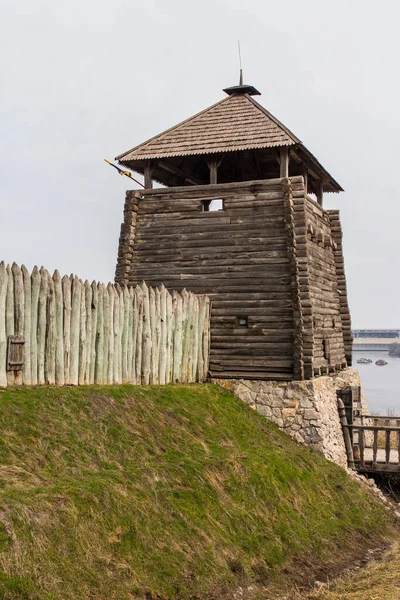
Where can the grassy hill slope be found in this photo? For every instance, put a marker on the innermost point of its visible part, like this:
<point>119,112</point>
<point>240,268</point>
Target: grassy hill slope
<point>175,491</point>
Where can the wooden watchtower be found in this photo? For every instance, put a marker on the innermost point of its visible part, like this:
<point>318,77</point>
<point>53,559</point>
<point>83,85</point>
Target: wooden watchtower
<point>241,219</point>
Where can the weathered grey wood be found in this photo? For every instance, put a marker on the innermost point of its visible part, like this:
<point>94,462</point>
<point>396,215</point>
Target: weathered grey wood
<point>346,434</point>
<point>110,334</point>
<point>66,288</point>
<point>117,345</point>
<point>200,329</point>
<point>190,337</point>
<point>93,344</point>
<point>169,338</point>
<point>177,341</point>
<point>42,324</point>
<point>76,293</point>
<point>153,357</point>
<point>148,182</point>
<point>213,166</point>
<point>157,335</point>
<point>99,367</point>
<point>71,326</point>
<point>185,334</point>
<point>139,335</point>
<point>3,334</point>
<point>284,161</point>
<point>51,329</point>
<point>18,311</point>
<point>361,443</point>
<point>83,346</point>
<point>106,326</point>
<point>375,448</point>
<point>125,333</point>
<point>26,372</point>
<point>121,333</point>
<point>319,192</point>
<point>88,312</point>
<point>59,333</point>
<point>135,312</point>
<point>163,336</point>
<point>35,289</point>
<point>387,446</point>
<point>10,329</point>
<point>146,336</point>
<point>195,341</point>
<point>129,341</point>
<point>259,185</point>
<point>206,338</point>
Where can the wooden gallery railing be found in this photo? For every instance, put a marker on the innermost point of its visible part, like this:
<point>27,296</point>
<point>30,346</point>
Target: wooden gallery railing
<point>63,331</point>
<point>373,445</point>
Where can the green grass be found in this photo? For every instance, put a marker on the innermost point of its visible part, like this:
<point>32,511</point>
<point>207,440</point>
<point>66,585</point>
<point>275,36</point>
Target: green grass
<point>164,492</point>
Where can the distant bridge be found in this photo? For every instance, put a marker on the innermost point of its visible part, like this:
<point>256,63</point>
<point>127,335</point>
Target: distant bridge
<point>373,340</point>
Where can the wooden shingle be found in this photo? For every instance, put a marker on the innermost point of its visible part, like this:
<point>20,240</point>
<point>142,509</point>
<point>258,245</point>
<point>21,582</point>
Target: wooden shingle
<point>236,123</point>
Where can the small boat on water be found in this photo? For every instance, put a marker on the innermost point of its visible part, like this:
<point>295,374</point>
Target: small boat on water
<point>364,361</point>
<point>381,363</point>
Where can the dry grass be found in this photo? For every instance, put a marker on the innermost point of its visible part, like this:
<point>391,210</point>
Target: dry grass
<point>178,492</point>
<point>380,580</point>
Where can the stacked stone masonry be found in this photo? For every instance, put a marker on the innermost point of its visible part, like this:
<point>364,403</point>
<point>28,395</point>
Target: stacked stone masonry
<point>306,410</point>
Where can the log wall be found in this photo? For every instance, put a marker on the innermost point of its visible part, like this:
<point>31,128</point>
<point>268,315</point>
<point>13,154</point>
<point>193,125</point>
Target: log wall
<point>327,348</point>
<point>266,261</point>
<point>76,333</point>
<point>238,256</point>
<point>337,234</point>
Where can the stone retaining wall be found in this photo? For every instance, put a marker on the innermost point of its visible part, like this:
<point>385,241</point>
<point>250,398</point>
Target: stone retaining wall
<point>306,410</point>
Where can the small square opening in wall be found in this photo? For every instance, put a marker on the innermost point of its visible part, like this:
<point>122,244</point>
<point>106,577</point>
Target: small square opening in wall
<point>243,321</point>
<point>213,205</point>
<point>326,345</point>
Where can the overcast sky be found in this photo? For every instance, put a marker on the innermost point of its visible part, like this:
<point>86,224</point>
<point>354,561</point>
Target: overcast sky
<point>89,79</point>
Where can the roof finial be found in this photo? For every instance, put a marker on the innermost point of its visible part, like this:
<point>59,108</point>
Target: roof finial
<point>241,88</point>
<point>240,65</point>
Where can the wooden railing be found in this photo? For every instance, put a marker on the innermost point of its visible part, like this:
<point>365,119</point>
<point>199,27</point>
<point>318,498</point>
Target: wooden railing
<point>383,454</point>
<point>372,448</point>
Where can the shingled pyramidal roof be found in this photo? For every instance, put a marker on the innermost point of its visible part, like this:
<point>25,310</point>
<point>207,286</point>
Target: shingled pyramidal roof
<point>236,123</point>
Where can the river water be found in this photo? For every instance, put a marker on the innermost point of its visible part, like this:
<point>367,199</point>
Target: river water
<point>381,385</point>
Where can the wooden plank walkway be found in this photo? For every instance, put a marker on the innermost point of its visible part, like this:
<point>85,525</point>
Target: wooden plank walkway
<point>372,442</point>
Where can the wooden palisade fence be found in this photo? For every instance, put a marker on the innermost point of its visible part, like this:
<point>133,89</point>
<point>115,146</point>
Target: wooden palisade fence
<point>66,332</point>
